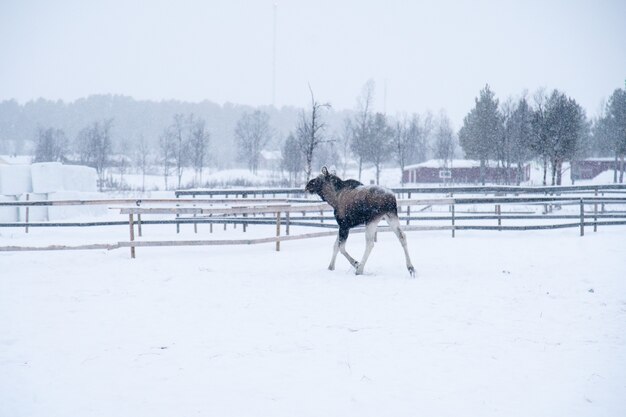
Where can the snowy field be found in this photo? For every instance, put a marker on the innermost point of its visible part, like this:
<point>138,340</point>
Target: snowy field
<point>495,324</point>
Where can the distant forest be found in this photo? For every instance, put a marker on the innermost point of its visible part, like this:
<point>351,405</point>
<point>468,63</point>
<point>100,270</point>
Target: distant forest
<point>133,119</point>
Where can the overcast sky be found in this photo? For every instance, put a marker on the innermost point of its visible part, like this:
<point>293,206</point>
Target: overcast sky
<point>429,54</point>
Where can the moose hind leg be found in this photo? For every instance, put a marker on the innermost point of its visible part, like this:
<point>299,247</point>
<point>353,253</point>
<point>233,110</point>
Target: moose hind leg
<point>341,242</point>
<point>370,234</point>
<point>394,224</point>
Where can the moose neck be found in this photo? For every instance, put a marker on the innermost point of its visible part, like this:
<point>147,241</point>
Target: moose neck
<point>329,195</point>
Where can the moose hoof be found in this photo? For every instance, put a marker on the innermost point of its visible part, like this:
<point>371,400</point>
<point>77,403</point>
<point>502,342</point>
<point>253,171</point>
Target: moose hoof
<point>331,267</point>
<point>411,271</point>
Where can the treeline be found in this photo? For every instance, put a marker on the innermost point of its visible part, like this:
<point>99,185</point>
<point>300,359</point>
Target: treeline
<point>551,128</point>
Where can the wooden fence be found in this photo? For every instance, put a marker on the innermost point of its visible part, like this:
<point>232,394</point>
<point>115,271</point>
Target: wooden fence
<point>284,213</point>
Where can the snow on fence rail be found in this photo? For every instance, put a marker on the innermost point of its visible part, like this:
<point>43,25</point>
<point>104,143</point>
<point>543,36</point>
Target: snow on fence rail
<point>281,210</point>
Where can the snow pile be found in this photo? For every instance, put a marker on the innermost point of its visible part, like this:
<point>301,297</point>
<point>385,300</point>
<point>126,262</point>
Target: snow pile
<point>8,214</point>
<point>47,177</point>
<point>79,178</point>
<point>15,179</point>
<point>247,331</point>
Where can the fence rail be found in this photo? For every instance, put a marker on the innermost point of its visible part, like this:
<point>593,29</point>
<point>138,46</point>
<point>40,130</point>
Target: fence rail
<point>421,190</point>
<point>285,213</point>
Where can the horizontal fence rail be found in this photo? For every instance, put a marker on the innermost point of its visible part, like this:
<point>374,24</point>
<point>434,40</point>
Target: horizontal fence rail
<point>421,190</point>
<point>539,204</point>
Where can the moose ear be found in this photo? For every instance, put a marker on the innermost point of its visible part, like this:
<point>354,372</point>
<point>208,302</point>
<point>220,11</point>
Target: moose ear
<point>324,170</point>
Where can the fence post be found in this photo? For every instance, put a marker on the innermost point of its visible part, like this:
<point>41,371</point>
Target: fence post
<point>278,231</point>
<point>287,221</point>
<point>132,235</point>
<point>195,225</point>
<point>27,211</point>
<point>139,224</point>
<point>453,225</point>
<point>499,214</point>
<point>408,211</point>
<point>244,225</point>
<point>177,224</point>
<point>595,213</point>
<point>582,218</point>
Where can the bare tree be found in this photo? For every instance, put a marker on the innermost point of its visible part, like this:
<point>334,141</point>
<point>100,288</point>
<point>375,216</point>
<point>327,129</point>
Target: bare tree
<point>310,132</point>
<point>361,127</point>
<point>292,158</point>
<point>52,145</point>
<point>198,147</point>
<point>410,141</point>
<point>94,147</point>
<point>445,141</point>
<point>179,143</point>
<point>380,148</point>
<point>166,154</point>
<point>344,146</point>
<point>252,134</point>
<point>142,159</point>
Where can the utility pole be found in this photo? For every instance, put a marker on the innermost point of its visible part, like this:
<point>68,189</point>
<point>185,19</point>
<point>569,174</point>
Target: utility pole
<point>274,58</point>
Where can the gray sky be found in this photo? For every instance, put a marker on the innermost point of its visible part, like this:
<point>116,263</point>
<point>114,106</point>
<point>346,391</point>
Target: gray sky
<point>430,54</point>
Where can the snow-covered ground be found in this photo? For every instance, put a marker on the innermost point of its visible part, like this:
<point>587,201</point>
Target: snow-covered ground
<point>495,324</point>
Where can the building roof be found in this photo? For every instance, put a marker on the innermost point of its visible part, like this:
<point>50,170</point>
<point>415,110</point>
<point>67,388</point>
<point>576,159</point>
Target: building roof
<point>455,163</point>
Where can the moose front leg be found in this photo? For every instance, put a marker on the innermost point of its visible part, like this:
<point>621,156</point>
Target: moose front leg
<point>340,245</point>
<point>335,252</point>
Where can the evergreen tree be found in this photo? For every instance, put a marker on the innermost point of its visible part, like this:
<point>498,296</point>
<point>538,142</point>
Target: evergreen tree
<point>520,131</point>
<point>566,124</point>
<point>613,127</point>
<point>482,130</point>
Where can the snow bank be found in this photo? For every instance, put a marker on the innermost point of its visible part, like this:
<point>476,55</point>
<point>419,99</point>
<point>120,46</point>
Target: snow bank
<point>15,179</point>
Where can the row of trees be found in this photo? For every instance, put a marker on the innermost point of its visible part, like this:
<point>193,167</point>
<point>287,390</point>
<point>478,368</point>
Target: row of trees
<point>184,143</point>
<point>92,146</point>
<point>370,137</point>
<point>553,130</point>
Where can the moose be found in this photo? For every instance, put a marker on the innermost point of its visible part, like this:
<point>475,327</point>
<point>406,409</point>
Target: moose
<point>357,204</point>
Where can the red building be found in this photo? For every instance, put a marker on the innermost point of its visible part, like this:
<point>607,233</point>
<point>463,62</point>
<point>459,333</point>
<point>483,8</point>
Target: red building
<point>589,168</point>
<point>462,171</point>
